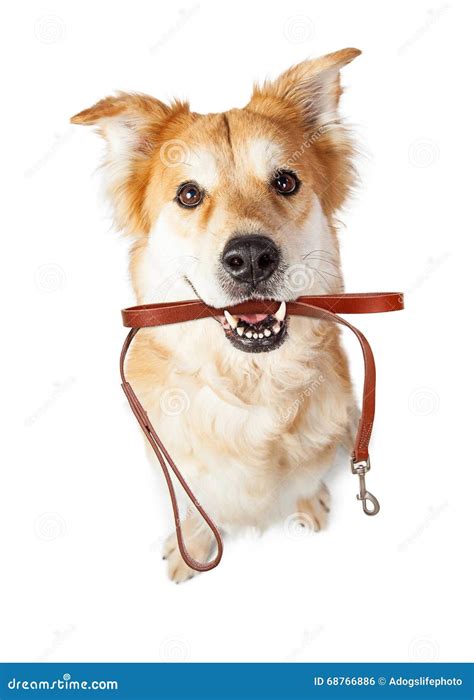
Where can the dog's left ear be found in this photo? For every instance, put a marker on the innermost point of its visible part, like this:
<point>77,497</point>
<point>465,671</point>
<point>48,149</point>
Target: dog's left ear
<point>309,91</point>
<point>307,97</point>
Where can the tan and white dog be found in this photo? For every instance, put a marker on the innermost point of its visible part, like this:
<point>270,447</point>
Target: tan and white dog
<point>230,207</point>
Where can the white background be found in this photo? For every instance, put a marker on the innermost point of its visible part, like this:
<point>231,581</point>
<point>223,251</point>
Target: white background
<point>82,511</point>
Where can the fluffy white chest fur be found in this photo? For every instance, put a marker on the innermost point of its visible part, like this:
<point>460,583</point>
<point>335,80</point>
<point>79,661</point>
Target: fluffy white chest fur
<point>252,437</point>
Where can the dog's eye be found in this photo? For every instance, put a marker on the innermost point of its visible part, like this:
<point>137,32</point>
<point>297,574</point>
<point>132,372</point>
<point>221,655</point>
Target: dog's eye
<point>189,195</point>
<point>285,182</point>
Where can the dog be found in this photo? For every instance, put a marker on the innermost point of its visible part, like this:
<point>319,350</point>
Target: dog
<point>226,208</point>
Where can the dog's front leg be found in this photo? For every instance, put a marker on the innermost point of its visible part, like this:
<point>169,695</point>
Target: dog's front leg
<point>315,510</point>
<point>199,542</point>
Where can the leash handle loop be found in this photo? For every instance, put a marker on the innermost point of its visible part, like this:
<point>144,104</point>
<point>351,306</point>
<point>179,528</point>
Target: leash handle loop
<point>167,463</point>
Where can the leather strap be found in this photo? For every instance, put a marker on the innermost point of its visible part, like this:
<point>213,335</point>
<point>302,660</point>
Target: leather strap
<point>148,315</point>
<point>319,307</point>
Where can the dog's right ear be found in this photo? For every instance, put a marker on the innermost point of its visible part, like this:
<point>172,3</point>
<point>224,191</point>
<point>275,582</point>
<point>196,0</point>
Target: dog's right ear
<point>132,125</point>
<point>129,122</point>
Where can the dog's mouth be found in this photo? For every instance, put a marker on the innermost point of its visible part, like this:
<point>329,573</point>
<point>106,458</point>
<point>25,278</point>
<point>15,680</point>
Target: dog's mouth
<point>256,332</point>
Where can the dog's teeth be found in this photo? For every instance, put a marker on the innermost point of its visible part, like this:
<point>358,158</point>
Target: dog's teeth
<point>267,333</point>
<point>276,328</point>
<point>255,335</point>
<point>240,330</point>
<point>260,335</point>
<point>231,320</point>
<point>281,313</point>
<point>248,334</point>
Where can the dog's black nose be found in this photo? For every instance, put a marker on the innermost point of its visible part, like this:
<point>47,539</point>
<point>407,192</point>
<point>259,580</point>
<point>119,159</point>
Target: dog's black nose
<point>250,259</point>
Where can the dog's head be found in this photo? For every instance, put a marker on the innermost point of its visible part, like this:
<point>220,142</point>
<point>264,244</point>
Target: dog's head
<point>233,206</point>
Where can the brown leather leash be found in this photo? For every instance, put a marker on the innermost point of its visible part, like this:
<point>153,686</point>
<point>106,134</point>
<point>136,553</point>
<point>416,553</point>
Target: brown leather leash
<point>319,307</point>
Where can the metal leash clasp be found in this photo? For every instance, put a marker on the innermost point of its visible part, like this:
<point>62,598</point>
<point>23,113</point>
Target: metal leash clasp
<point>361,467</point>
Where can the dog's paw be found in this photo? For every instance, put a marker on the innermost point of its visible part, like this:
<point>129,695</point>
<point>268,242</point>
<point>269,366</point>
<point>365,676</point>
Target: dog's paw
<point>178,570</point>
<point>198,541</point>
<point>316,508</point>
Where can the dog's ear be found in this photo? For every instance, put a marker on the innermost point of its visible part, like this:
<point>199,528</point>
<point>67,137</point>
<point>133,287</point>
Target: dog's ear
<point>309,91</point>
<point>132,126</point>
<point>307,96</point>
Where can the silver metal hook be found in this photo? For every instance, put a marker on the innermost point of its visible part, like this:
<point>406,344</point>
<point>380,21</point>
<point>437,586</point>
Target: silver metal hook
<point>361,468</point>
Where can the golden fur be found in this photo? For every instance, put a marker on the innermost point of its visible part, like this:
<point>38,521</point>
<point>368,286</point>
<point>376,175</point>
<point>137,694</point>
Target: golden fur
<point>252,433</point>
